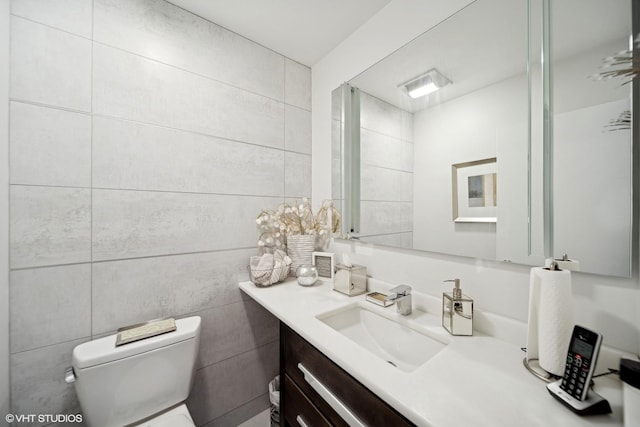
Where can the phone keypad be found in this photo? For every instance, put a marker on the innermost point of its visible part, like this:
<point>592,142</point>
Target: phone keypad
<point>575,375</point>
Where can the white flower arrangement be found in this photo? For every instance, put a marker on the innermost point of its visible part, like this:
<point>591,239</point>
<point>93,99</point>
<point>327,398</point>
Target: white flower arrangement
<point>275,225</point>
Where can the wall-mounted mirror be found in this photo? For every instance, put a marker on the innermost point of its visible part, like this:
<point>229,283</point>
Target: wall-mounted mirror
<point>460,169</point>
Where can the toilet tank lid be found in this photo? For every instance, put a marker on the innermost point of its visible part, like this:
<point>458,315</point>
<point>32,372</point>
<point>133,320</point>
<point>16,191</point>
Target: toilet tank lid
<point>104,350</point>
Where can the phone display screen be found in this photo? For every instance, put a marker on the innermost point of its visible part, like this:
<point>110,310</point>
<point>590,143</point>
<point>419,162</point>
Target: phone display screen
<point>582,348</point>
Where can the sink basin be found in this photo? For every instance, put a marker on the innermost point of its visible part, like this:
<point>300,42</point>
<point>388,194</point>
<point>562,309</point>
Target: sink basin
<point>397,344</point>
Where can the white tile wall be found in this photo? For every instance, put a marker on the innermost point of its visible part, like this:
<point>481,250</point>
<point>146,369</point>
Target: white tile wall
<point>49,66</point>
<point>220,386</point>
<point>34,292</point>
<point>297,135</point>
<point>176,37</point>
<point>135,156</point>
<point>131,291</point>
<point>144,142</point>
<point>297,90</point>
<point>136,88</point>
<point>386,174</point>
<point>297,175</point>
<point>386,184</point>
<point>235,328</point>
<point>49,146</point>
<point>128,224</point>
<point>380,116</point>
<point>73,16</point>
<point>37,381</point>
<point>49,225</point>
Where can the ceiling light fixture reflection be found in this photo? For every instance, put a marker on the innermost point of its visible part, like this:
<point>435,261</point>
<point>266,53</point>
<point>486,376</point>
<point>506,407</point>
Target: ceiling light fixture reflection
<point>425,84</point>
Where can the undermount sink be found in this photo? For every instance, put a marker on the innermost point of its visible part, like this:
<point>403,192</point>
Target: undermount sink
<point>397,344</point>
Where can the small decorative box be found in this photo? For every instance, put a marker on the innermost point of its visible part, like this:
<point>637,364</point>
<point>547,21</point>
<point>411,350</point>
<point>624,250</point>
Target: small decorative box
<point>350,280</point>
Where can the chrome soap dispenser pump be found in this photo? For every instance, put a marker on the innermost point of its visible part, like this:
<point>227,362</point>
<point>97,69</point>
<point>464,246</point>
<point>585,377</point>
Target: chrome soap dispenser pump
<point>457,311</point>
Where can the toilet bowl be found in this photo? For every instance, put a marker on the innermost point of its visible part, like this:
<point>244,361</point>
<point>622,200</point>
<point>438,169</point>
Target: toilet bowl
<point>142,383</point>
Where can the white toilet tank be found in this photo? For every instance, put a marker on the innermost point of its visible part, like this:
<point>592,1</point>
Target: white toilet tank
<point>117,386</point>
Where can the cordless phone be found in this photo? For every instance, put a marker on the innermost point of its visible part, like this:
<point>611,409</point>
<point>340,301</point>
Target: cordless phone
<point>581,362</point>
<point>573,389</point>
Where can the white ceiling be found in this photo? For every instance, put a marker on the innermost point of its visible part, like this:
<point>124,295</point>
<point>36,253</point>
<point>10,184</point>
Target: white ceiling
<point>303,30</point>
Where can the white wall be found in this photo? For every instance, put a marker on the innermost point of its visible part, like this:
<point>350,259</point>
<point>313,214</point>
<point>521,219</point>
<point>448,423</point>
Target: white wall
<point>4,209</point>
<point>607,304</point>
<point>139,161</point>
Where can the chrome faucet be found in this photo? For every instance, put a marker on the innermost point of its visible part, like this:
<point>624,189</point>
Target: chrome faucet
<point>401,294</point>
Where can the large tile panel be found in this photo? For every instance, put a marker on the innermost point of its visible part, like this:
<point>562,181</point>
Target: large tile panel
<point>297,171</point>
<point>131,87</point>
<point>49,225</point>
<point>297,127</point>
<point>133,291</point>
<point>239,415</point>
<point>380,116</point>
<point>73,16</point>
<point>50,305</point>
<point>225,386</point>
<point>386,184</point>
<point>385,217</point>
<point>381,150</point>
<point>129,224</point>
<point>159,30</point>
<point>49,146</point>
<point>49,66</point>
<point>235,328</point>
<point>37,382</point>
<point>297,82</point>
<point>129,155</point>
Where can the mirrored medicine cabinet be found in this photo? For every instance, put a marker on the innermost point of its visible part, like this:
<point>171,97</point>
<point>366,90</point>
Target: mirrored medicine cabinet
<point>521,149</point>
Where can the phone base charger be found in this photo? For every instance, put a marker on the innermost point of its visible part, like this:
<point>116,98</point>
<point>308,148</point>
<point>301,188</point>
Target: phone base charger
<point>594,404</point>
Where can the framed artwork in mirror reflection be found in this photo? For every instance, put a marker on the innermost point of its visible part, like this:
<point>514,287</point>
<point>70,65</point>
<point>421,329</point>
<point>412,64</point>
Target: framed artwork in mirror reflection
<point>475,190</point>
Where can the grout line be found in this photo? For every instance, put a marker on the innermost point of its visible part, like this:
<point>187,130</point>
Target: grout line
<point>369,165</point>
<point>126,120</point>
<point>52,27</point>
<point>239,354</point>
<point>386,135</point>
<point>84,338</point>
<point>144,190</point>
<point>104,261</point>
<point>93,7</point>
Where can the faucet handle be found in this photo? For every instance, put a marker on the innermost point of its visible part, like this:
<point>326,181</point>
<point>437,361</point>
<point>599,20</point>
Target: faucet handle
<point>401,290</point>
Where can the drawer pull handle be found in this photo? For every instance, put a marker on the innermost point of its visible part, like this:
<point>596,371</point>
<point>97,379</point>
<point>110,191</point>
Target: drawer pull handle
<point>300,421</point>
<point>330,398</point>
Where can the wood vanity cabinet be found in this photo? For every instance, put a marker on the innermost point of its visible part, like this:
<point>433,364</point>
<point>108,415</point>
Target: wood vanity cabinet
<point>301,405</point>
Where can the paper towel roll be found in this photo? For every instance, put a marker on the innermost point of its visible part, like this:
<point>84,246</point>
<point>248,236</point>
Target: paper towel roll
<point>551,318</point>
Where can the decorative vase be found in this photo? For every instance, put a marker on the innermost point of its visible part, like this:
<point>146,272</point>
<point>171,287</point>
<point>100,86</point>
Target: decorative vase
<point>300,247</point>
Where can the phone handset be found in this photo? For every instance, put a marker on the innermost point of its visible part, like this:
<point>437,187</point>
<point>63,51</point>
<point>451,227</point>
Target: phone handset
<point>573,389</point>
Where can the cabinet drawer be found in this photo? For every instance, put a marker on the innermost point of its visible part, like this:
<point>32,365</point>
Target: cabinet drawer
<point>299,411</point>
<point>359,400</point>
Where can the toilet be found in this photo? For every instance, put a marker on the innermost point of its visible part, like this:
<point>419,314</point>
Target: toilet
<point>144,383</point>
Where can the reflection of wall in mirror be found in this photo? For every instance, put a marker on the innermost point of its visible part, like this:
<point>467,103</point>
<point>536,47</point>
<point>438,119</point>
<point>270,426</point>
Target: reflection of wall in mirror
<point>386,144</point>
<point>592,174</point>
<point>465,129</point>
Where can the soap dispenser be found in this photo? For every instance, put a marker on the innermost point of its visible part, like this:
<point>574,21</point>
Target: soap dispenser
<point>457,311</point>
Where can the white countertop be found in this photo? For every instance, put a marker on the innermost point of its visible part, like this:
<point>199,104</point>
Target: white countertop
<point>475,381</point>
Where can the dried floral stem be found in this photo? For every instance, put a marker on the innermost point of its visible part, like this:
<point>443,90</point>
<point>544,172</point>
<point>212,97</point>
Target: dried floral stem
<point>288,220</point>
